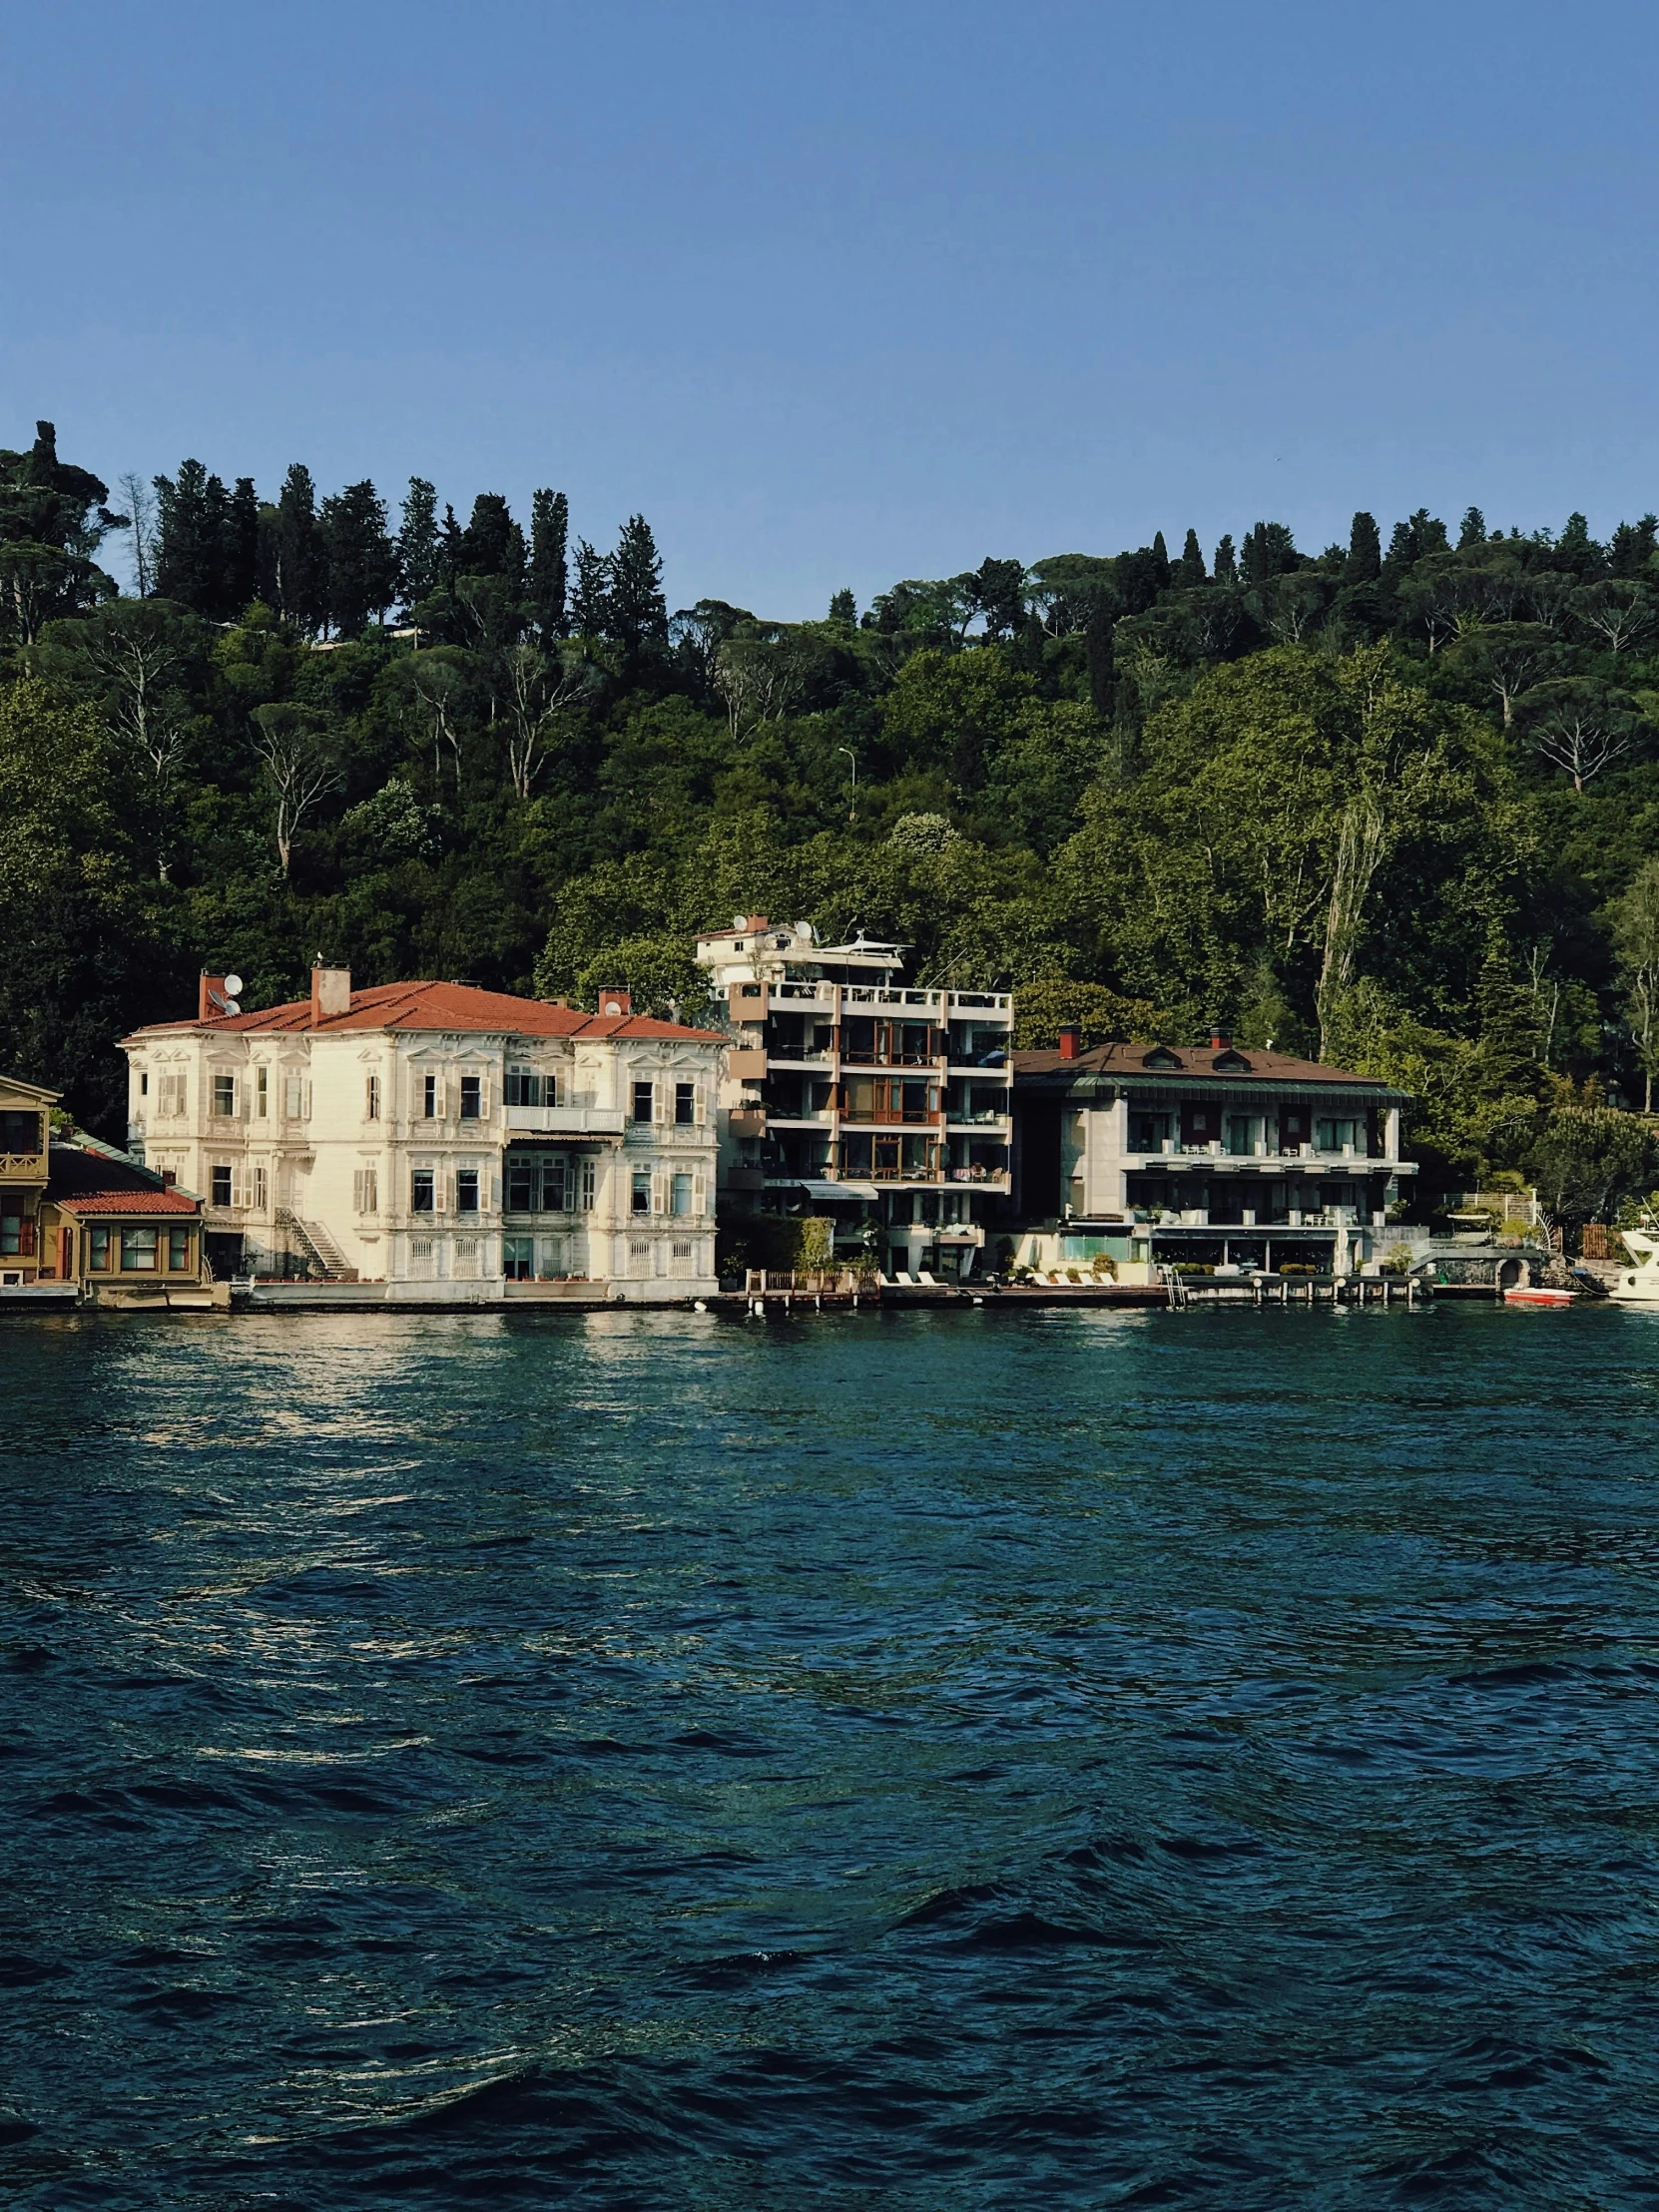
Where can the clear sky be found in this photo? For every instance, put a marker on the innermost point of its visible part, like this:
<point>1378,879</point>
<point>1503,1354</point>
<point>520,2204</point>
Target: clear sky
<point>837,294</point>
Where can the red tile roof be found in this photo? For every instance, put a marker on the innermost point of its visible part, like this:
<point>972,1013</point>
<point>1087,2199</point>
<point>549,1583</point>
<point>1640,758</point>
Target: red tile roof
<point>447,1007</point>
<point>129,1202</point>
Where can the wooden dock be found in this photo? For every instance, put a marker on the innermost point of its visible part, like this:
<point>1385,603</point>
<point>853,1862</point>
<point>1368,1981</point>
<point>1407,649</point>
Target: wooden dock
<point>1183,1291</point>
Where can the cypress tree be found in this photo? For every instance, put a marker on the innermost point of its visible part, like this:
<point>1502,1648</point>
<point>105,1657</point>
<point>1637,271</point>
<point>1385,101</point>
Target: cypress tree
<point>492,543</point>
<point>637,613</point>
<point>1632,548</point>
<point>361,561</point>
<point>418,568</point>
<point>590,601</point>
<point>1577,551</point>
<point>450,543</point>
<point>549,569</point>
<point>1190,571</point>
<point>298,574</point>
<point>192,513</point>
<point>1268,551</point>
<point>1227,566</point>
<point>1160,555</point>
<point>1365,550</point>
<point>241,548</point>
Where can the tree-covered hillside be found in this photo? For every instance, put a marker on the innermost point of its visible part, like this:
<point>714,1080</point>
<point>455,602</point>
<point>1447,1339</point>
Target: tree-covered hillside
<point>1393,801</point>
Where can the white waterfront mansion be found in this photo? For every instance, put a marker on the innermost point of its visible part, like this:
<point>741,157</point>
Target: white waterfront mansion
<point>426,1134</point>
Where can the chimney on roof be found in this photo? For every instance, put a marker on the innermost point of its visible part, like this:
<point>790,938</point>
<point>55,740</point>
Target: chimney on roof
<point>615,1002</point>
<point>1071,1038</point>
<point>330,992</point>
<point>210,996</point>
<point>1219,1040</point>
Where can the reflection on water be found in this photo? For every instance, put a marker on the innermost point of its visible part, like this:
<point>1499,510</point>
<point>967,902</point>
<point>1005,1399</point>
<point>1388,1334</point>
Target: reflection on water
<point>930,1762</point>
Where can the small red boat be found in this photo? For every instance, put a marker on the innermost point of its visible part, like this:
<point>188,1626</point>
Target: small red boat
<point>1538,1296</point>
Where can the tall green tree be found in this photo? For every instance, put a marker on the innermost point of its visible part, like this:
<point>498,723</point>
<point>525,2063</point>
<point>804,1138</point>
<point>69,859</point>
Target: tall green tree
<point>298,572</point>
<point>636,613</point>
<point>1365,550</point>
<point>549,567</point>
<point>492,543</point>
<point>419,570</point>
<point>361,560</point>
<point>192,545</point>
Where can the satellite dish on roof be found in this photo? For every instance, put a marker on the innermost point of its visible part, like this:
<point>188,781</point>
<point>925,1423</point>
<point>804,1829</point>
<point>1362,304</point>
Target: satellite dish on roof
<point>233,987</point>
<point>740,921</point>
<point>233,1006</point>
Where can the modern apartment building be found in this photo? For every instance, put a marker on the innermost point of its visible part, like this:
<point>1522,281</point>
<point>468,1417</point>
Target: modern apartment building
<point>1161,1152</point>
<point>852,1094</point>
<point>441,1140</point>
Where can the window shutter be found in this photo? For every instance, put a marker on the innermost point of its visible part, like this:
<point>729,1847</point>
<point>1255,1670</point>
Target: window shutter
<point>484,1097</point>
<point>699,1202</point>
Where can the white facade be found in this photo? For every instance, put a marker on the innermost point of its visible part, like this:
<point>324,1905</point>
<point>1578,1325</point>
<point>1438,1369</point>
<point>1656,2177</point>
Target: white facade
<point>469,1152</point>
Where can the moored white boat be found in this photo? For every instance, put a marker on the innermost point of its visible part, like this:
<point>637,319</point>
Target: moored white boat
<point>1638,1283</point>
<point>1538,1295</point>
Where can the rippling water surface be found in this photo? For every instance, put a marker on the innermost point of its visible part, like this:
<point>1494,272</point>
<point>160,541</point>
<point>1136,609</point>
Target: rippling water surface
<point>1066,1760</point>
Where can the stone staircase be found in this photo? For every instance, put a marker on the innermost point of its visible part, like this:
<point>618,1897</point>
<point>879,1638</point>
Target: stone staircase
<point>313,1239</point>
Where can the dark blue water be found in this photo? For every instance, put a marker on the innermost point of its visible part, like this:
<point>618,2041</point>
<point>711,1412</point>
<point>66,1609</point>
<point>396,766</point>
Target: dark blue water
<point>1067,1760</point>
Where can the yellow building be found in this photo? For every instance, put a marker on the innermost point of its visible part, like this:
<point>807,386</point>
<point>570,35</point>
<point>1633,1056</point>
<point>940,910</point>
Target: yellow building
<point>120,1235</point>
<point>25,1144</point>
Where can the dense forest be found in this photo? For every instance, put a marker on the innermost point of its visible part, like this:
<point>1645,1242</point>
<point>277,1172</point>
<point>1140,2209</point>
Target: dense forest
<point>1395,802</point>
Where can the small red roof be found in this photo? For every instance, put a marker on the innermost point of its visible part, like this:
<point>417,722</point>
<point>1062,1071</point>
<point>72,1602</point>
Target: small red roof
<point>447,1007</point>
<point>129,1202</point>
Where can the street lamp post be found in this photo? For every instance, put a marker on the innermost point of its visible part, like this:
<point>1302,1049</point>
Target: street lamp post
<point>852,811</point>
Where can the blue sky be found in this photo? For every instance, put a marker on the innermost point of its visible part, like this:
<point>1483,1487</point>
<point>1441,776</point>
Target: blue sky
<point>837,294</point>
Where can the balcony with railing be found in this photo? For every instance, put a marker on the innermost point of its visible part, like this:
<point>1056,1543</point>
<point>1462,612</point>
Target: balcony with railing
<point>565,1121</point>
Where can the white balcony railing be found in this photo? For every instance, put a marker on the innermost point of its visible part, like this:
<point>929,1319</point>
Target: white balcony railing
<point>566,1121</point>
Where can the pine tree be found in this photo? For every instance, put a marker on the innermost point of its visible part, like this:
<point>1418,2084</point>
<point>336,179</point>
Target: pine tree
<point>637,613</point>
<point>297,566</point>
<point>1365,550</point>
<point>590,600</point>
<point>549,569</point>
<point>843,608</point>
<point>418,544</point>
<point>192,512</point>
<point>1471,531</point>
<point>1227,566</point>
<point>1190,572</point>
<point>360,559</point>
<point>241,548</point>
